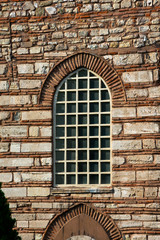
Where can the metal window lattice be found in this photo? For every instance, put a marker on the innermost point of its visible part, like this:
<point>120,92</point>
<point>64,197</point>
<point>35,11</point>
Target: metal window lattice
<point>82,130</point>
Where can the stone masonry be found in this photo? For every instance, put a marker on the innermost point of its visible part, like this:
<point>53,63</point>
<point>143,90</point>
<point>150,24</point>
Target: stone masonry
<point>35,37</point>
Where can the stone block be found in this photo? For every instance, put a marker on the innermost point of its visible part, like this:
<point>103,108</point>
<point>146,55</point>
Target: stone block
<point>38,191</point>
<point>124,112</point>
<point>137,76</point>
<point>59,205</point>
<point>4,115</point>
<point>152,225</point>
<point>116,129</point>
<point>126,4</point>
<point>151,57</point>
<point>15,192</point>
<point>152,237</point>
<point>17,177</point>
<point>147,111</point>
<point>51,10</point>
<point>83,33</point>
<point>123,176</point>
<point>28,6</point>
<point>97,39</point>
<point>46,131</point>
<point>36,115</point>
<point>139,159</point>
<point>14,100</point>
<point>126,145</point>
<point>70,34</point>
<point>41,205</point>
<point>27,236</point>
<point>13,131</point>
<point>36,176</point>
<point>35,50</point>
<point>22,51</point>
<point>151,191</point>
<point>139,237</point>
<point>129,224</point>
<point>157,159</point>
<point>4,147</point>
<point>135,93</point>
<point>25,68</point>
<point>103,31</point>
<point>141,128</point>
<point>46,216</point>
<point>106,6</point>
<point>4,85</point>
<point>22,224</point>
<point>41,67</point>
<point>114,39</point>
<point>154,92</point>
<point>36,147</point>
<point>149,144</point>
<point>5,177</point>
<point>3,69</point>
<point>34,131</point>
<point>150,175</point>
<point>128,192</point>
<point>118,160</point>
<point>86,8</point>
<point>144,217</point>
<point>46,161</point>
<point>128,59</point>
<point>15,147</point>
<point>120,216</point>
<point>30,84</point>
<point>4,41</point>
<point>38,223</point>
<point>57,35</point>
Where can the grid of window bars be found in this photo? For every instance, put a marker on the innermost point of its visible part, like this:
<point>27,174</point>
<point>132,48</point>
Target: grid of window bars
<point>82,130</point>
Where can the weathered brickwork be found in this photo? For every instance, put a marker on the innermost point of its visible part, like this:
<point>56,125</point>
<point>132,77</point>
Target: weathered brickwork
<point>41,42</point>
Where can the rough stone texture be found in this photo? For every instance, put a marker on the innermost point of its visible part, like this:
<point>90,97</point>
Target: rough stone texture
<point>147,111</point>
<point>138,76</point>
<point>116,129</point>
<point>16,131</point>
<point>14,100</point>
<point>127,59</point>
<point>36,147</point>
<point>36,115</point>
<point>3,68</point>
<point>38,191</point>
<point>15,192</point>
<point>154,92</point>
<point>25,68</point>
<point>134,93</point>
<point>124,112</point>
<point>128,176</point>
<point>126,145</point>
<point>140,159</point>
<point>140,128</point>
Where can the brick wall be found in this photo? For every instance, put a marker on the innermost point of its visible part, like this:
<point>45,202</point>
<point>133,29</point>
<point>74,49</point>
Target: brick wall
<point>34,37</point>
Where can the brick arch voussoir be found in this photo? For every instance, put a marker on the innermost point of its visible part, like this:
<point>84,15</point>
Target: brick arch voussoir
<point>58,222</point>
<point>68,65</point>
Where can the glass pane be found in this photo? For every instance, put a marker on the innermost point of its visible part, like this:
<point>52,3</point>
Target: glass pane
<point>71,120</point>
<point>104,95</point>
<point>91,74</point>
<point>59,179</point>
<point>71,155</point>
<point>59,167</point>
<point>94,119</point>
<point>82,179</point>
<point>82,119</point>
<point>71,131</point>
<point>105,178</point>
<point>60,108</point>
<point>105,107</point>
<point>71,84</point>
<point>94,83</point>
<point>61,96</point>
<point>93,143</point>
<point>82,83</point>
<point>63,86</point>
<point>82,143</point>
<point>82,131</point>
<point>71,167</point>
<point>93,131</point>
<point>105,154</point>
<point>59,143</point>
<point>59,131</point>
<point>82,73</point>
<point>82,95</point>
<point>105,118</point>
<point>93,179</point>
<point>93,167</point>
<point>71,179</point>
<point>71,96</point>
<point>59,155</point>
<point>105,142</point>
<point>60,120</point>
<point>71,143</point>
<point>103,85</point>
<point>82,107</point>
<point>73,75</point>
<point>82,155</point>
<point>93,154</point>
<point>105,131</point>
<point>94,95</point>
<point>71,107</point>
<point>94,107</point>
<point>82,167</point>
<point>105,167</point>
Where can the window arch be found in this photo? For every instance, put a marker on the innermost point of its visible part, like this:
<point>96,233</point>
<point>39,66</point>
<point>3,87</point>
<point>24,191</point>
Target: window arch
<point>82,130</point>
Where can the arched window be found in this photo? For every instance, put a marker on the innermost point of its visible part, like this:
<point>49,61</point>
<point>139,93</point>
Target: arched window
<point>82,130</point>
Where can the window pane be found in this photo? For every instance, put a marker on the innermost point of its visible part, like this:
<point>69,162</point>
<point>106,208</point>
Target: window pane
<point>71,131</point>
<point>104,95</point>
<point>94,142</point>
<point>63,86</point>
<point>60,108</point>
<point>59,155</point>
<point>71,155</point>
<point>94,107</point>
<point>82,119</point>
<point>93,131</point>
<point>59,179</point>
<point>82,155</point>
<point>105,154</point>
<point>93,178</point>
<point>71,167</point>
<point>59,143</point>
<point>82,83</point>
<point>71,107</point>
<point>103,85</point>
<point>71,143</point>
<point>94,83</point>
<point>71,179</point>
<point>94,154</point>
<point>60,131</point>
<point>94,119</point>
<point>71,84</point>
<point>82,167</point>
<point>82,179</point>
<point>105,118</point>
<point>61,96</point>
<point>60,120</point>
<point>71,120</point>
<point>82,95</point>
<point>105,131</point>
<point>82,107</point>
<point>94,95</point>
<point>59,167</point>
<point>82,73</point>
<point>105,107</point>
<point>105,142</point>
<point>105,167</point>
<point>82,131</point>
<point>93,167</point>
<point>82,143</point>
<point>105,178</point>
<point>71,96</point>
<point>73,75</point>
